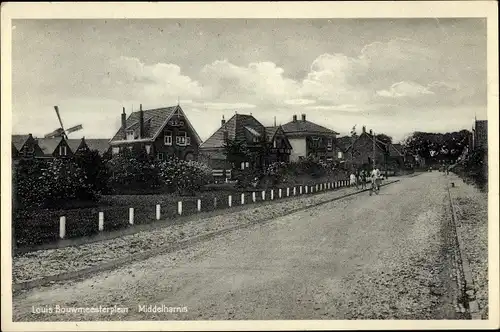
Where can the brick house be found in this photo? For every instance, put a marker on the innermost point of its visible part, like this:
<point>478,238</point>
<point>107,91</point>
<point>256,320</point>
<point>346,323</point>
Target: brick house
<point>361,152</point>
<point>245,129</point>
<point>310,140</point>
<point>162,132</point>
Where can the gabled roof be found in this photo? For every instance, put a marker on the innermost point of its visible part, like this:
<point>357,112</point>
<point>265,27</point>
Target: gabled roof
<point>19,140</point>
<point>235,127</point>
<point>48,145</point>
<point>154,120</point>
<point>378,143</point>
<point>306,127</point>
<point>99,144</point>
<point>396,150</point>
<point>74,143</point>
<point>344,142</point>
<point>270,132</point>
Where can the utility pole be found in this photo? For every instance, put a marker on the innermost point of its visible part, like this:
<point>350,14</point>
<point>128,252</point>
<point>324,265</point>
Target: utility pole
<point>373,138</point>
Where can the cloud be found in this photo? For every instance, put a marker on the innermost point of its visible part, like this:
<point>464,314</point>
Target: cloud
<point>405,89</point>
<point>299,101</point>
<point>152,83</point>
<point>262,81</point>
<point>225,106</point>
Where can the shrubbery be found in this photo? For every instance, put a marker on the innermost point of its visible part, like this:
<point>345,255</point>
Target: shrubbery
<point>49,183</point>
<point>139,173</point>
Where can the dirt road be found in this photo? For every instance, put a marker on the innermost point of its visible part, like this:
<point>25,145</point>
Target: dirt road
<point>362,257</point>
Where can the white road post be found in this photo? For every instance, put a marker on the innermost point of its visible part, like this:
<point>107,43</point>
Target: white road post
<point>294,191</point>
<point>300,190</point>
<point>306,187</point>
<point>242,199</point>
<point>62,227</point>
<point>287,192</point>
<point>158,211</point>
<point>198,205</point>
<point>131,216</point>
<point>279,193</point>
<point>101,221</point>
<point>263,195</point>
<point>179,207</point>
<point>230,200</point>
<point>272,194</point>
<point>253,197</point>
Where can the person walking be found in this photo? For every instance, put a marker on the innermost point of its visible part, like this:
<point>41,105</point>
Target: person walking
<point>362,179</point>
<point>352,181</point>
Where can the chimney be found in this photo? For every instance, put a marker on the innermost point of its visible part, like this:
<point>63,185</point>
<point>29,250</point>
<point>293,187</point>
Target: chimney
<point>223,121</point>
<point>294,118</point>
<point>303,117</point>
<point>141,122</point>
<point>371,132</point>
<point>364,129</point>
<point>124,123</point>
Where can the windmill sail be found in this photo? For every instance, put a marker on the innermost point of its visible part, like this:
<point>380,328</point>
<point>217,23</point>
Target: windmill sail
<point>75,128</point>
<point>56,133</point>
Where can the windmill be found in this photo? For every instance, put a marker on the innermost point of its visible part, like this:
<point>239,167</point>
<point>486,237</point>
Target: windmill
<point>60,132</point>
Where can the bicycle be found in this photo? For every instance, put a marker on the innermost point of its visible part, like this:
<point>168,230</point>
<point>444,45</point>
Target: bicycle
<point>375,187</point>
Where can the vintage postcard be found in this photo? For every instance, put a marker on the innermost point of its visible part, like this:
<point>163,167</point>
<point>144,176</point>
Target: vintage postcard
<point>249,166</point>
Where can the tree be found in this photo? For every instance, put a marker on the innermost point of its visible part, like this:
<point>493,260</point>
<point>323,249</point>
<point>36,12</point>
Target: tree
<point>236,151</point>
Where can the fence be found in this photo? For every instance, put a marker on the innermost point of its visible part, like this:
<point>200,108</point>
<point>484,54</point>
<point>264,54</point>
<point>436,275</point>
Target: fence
<point>48,227</point>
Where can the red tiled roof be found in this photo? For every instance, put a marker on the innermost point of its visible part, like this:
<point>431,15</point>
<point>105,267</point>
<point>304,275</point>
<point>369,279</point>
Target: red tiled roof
<point>306,127</point>
<point>99,144</point>
<point>235,128</point>
<point>19,140</point>
<point>48,145</point>
<point>154,121</point>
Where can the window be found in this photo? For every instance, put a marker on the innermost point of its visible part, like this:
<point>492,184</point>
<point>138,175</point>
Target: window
<point>160,156</point>
<point>130,135</point>
<point>330,142</point>
<point>242,165</point>
<point>274,144</point>
<point>247,164</point>
<point>340,155</point>
<point>168,138</point>
<point>115,150</point>
<point>182,139</point>
<point>148,149</point>
<point>62,150</point>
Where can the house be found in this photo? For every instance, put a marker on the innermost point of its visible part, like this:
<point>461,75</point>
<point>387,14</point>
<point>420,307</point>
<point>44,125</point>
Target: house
<point>310,140</point>
<point>397,157</point>
<point>367,150</point>
<point>25,146</point>
<point>56,147</point>
<point>101,145</point>
<point>343,143</point>
<point>162,132</point>
<point>263,144</point>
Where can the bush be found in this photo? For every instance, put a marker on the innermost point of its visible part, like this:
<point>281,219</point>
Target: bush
<point>184,176</point>
<point>49,183</point>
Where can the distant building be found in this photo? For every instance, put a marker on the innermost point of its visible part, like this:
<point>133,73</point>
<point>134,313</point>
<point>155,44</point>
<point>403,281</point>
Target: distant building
<point>162,132</point>
<point>365,149</point>
<point>27,146</point>
<point>101,145</point>
<point>480,133</point>
<point>266,145</point>
<point>310,140</point>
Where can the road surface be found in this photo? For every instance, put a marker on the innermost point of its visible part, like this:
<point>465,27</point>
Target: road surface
<point>379,257</point>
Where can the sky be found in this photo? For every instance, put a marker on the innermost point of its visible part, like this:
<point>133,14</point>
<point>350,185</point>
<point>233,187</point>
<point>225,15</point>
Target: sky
<point>394,76</point>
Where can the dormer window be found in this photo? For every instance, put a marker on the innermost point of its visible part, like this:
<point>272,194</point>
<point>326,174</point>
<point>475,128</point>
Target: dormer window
<point>330,142</point>
<point>275,144</point>
<point>130,135</point>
